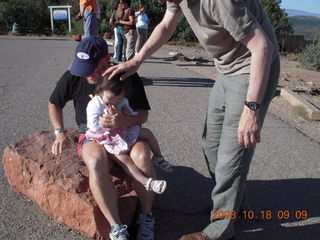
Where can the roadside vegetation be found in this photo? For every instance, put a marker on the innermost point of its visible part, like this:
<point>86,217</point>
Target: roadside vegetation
<point>33,17</point>
<point>310,57</point>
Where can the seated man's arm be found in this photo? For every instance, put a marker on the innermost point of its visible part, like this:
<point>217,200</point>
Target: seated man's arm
<point>59,97</point>
<point>56,118</point>
<point>120,119</point>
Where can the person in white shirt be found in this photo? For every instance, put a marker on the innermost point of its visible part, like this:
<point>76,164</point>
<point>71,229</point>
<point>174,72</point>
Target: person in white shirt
<point>142,22</point>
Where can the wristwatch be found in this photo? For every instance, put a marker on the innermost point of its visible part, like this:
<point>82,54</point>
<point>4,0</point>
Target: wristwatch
<point>252,105</point>
<point>59,130</point>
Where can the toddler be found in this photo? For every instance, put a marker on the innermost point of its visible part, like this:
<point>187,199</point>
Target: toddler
<point>110,99</point>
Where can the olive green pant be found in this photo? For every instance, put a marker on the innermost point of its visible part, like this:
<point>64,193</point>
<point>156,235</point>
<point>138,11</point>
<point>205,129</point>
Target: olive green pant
<point>227,160</point>
<point>130,44</point>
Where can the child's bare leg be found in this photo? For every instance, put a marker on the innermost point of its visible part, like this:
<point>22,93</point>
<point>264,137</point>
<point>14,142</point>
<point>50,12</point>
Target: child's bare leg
<point>130,168</point>
<point>147,135</point>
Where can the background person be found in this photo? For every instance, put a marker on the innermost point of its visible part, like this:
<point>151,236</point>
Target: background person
<point>88,12</point>
<point>240,38</point>
<point>77,84</point>
<point>118,32</point>
<point>142,22</point>
<point>129,28</point>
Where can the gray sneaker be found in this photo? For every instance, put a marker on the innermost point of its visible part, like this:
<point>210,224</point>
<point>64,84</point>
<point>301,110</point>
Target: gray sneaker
<point>146,227</point>
<point>119,232</point>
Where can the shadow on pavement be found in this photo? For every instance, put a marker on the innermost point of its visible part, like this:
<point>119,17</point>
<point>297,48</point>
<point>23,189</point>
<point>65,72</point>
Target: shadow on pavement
<point>293,206</point>
<point>36,38</point>
<point>157,62</point>
<point>280,209</point>
<point>178,82</point>
<point>194,65</point>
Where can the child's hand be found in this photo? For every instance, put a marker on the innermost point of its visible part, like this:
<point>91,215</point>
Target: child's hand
<point>112,121</point>
<point>111,109</point>
<point>78,17</point>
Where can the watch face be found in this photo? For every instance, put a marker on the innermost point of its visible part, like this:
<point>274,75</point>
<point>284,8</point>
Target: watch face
<point>58,130</point>
<point>252,105</point>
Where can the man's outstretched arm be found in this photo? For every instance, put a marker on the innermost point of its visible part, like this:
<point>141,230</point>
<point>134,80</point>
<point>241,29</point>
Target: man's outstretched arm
<point>160,35</point>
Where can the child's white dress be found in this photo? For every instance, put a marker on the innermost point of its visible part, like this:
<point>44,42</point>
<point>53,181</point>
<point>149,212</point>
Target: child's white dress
<point>118,141</point>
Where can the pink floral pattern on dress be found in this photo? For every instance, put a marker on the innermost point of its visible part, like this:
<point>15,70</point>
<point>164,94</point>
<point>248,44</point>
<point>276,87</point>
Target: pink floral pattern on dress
<point>118,141</point>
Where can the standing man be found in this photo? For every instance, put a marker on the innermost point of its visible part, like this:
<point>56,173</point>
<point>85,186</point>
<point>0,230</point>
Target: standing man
<point>240,38</point>
<point>77,84</point>
<point>88,11</point>
<point>142,22</point>
<point>129,28</point>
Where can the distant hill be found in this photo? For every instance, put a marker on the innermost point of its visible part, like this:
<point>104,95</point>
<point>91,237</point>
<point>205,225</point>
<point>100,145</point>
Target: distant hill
<point>295,12</point>
<point>309,26</point>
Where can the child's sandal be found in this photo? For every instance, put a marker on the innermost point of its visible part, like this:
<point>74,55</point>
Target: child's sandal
<point>159,186</point>
<point>162,163</point>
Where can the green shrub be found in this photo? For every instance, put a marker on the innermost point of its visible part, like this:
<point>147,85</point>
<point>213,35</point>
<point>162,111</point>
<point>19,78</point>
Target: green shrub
<point>310,57</point>
<point>105,26</point>
<point>77,27</point>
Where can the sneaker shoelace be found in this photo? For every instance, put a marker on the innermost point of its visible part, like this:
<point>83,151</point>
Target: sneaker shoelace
<point>146,228</point>
<point>118,234</point>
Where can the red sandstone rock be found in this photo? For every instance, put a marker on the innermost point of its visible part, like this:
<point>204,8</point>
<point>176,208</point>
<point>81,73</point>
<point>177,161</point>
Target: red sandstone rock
<point>60,185</point>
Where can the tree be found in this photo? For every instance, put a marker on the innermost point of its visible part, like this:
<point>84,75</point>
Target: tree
<point>278,17</point>
<point>32,16</point>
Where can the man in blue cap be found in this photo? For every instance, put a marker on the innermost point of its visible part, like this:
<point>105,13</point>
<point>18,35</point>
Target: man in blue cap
<point>78,84</point>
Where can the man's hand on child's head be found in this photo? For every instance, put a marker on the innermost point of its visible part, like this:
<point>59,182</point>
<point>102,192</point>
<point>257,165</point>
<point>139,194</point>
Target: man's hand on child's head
<point>130,67</point>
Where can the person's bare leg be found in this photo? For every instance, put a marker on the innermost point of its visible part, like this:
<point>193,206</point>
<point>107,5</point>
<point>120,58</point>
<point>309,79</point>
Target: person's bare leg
<point>140,155</point>
<point>147,135</point>
<point>130,168</point>
<point>102,188</point>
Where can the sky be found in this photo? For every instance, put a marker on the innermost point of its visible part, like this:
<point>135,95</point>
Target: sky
<point>312,6</point>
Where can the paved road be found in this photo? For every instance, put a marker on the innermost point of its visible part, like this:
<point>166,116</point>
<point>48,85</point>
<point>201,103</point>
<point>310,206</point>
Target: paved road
<point>284,174</point>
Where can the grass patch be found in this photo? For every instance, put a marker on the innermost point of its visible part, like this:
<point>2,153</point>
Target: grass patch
<point>301,111</point>
<point>293,57</point>
<point>184,43</point>
<point>290,56</point>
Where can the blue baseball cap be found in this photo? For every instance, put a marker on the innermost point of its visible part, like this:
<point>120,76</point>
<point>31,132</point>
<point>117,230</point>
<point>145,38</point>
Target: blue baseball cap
<point>87,56</point>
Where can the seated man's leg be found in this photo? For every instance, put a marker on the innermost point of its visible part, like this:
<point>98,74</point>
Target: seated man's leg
<point>147,135</point>
<point>102,188</point>
<point>140,155</point>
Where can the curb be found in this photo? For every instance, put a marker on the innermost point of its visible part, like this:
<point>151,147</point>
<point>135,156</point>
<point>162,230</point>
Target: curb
<point>295,100</point>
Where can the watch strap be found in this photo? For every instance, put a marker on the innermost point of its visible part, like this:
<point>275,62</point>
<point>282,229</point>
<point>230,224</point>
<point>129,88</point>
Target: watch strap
<point>59,130</point>
<point>252,105</point>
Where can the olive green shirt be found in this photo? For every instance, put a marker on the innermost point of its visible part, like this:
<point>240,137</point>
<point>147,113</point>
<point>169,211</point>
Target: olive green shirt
<point>220,25</point>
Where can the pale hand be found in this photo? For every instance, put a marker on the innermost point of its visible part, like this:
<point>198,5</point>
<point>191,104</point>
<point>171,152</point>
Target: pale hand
<point>129,67</point>
<point>249,128</point>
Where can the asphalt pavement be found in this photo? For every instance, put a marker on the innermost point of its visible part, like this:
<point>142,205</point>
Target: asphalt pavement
<point>283,178</point>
